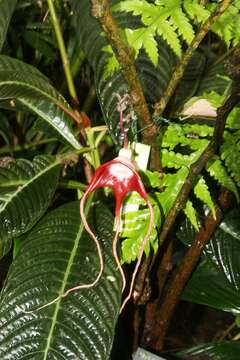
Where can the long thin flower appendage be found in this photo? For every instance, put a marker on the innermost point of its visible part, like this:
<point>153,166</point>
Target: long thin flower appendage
<point>121,175</point>
<point>81,286</point>
<point>115,253</point>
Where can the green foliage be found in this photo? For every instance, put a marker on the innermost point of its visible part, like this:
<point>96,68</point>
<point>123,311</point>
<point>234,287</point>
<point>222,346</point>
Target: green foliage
<point>135,226</point>
<point>193,140</point>
<point>217,170</point>
<point>223,350</point>
<point>227,26</point>
<point>6,11</point>
<point>172,21</point>
<point>201,191</point>
<point>219,267</point>
<point>190,212</point>
<point>230,154</point>
<point>56,255</point>
<point>136,220</point>
<point>24,196</point>
<point>32,90</point>
<point>154,79</point>
<point>164,18</point>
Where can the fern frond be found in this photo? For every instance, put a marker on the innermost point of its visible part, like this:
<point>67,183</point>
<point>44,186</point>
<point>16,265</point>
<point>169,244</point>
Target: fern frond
<point>217,170</point>
<point>227,26</point>
<point>202,193</point>
<point>112,64</point>
<point>179,20</point>
<point>171,159</point>
<point>135,225</point>
<point>164,18</point>
<point>191,214</point>
<point>143,38</point>
<point>195,10</point>
<point>230,154</point>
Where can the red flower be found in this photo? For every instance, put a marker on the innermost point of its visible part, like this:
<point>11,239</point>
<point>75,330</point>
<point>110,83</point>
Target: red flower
<point>121,175</point>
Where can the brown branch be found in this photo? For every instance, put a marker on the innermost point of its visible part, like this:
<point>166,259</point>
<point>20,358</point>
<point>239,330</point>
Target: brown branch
<point>197,167</point>
<point>188,264</point>
<point>101,10</point>
<point>181,66</point>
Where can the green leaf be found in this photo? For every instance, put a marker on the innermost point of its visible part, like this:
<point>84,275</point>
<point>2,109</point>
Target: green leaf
<point>170,159</point>
<point>219,268</point>
<point>222,350</point>
<point>201,191</point>
<point>219,293</point>
<point>56,256</point>
<point>218,172</point>
<point>172,184</point>
<point>154,79</point>
<point>195,10</point>
<point>135,226</point>
<point>143,39</point>
<point>229,152</point>
<point>26,190</point>
<point>24,83</point>
<point>185,29</point>
<point>165,18</point>
<point>227,26</point>
<point>190,212</point>
<point>6,10</point>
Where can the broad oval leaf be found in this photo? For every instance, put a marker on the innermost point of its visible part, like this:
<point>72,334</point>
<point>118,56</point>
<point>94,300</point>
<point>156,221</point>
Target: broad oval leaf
<point>31,89</point>
<point>6,10</point>
<point>57,255</point>
<point>26,190</point>
<point>222,350</point>
<point>220,267</point>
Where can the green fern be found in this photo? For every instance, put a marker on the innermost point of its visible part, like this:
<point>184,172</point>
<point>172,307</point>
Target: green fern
<point>227,27</point>
<point>135,221</point>
<point>202,193</point>
<point>135,227</point>
<point>191,214</point>
<point>164,18</point>
<point>172,20</point>
<point>230,154</point>
<point>217,170</point>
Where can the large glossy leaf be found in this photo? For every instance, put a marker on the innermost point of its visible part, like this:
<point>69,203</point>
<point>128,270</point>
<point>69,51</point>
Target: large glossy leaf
<point>26,190</point>
<point>208,286</point>
<point>6,10</point>
<point>28,87</point>
<point>58,255</point>
<point>220,267</point>
<point>224,350</point>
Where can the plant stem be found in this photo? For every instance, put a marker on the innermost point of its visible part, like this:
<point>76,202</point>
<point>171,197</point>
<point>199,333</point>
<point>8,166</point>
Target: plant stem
<point>63,52</point>
<point>124,55</point>
<point>71,184</point>
<point>10,149</point>
<point>197,167</point>
<point>189,262</point>
<point>181,66</point>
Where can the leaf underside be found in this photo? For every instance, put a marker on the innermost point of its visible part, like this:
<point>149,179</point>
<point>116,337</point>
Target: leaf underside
<point>56,256</point>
